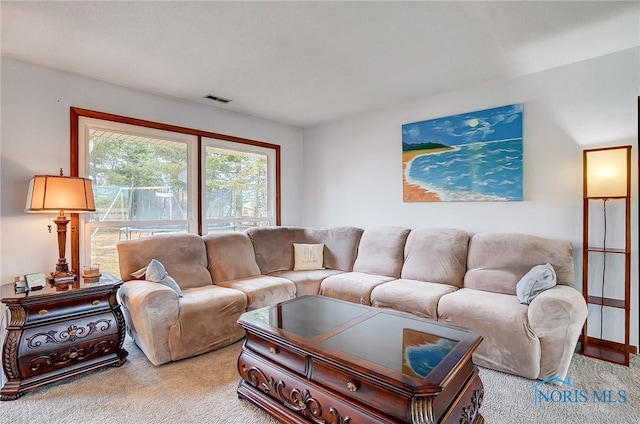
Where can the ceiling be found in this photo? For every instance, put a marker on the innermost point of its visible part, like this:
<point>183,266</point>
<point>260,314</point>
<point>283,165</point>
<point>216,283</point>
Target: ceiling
<point>306,63</point>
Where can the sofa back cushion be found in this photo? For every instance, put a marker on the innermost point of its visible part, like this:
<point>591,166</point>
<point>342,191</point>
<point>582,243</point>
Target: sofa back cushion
<point>230,256</point>
<point>274,246</point>
<point>437,255</point>
<point>497,261</point>
<point>381,251</point>
<point>182,254</point>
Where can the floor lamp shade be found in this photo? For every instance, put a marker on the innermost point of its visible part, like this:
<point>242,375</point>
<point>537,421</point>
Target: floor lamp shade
<point>606,172</point>
<point>57,193</point>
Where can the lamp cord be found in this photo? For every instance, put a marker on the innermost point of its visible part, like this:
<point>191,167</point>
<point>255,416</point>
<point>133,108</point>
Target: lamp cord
<point>604,264</point>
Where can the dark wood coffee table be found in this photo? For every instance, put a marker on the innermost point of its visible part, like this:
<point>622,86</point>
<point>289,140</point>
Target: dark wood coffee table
<point>315,359</point>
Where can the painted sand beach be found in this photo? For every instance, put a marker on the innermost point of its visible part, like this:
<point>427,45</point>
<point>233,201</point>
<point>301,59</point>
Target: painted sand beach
<point>413,191</point>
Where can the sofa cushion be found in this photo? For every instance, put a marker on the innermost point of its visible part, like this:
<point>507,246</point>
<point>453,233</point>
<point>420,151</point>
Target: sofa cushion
<point>352,286</point>
<point>381,251</point>
<point>509,343</point>
<point>207,321</point>
<point>274,246</point>
<point>308,257</point>
<point>230,256</point>
<point>437,255</point>
<point>497,261</point>
<point>307,282</point>
<point>262,290</point>
<point>417,297</point>
<point>182,254</point>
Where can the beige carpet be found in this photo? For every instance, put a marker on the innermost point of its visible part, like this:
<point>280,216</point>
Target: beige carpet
<point>203,390</point>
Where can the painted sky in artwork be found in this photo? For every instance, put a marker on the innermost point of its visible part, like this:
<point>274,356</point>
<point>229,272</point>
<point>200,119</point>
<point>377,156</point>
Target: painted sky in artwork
<point>499,123</point>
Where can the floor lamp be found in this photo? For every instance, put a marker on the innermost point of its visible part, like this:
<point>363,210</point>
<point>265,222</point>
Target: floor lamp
<point>57,193</point>
<point>607,176</point>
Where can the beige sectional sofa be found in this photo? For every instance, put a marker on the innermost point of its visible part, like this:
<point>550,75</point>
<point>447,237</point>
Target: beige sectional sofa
<point>467,280</point>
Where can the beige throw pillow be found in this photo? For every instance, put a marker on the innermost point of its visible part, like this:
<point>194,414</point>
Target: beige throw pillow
<point>308,256</point>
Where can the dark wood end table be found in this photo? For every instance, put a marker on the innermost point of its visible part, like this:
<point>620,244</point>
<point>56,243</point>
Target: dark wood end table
<point>59,332</point>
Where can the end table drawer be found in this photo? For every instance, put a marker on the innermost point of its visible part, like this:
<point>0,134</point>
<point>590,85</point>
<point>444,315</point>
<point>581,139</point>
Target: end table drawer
<point>55,335</point>
<point>359,389</point>
<point>66,356</point>
<point>41,313</point>
<point>277,353</point>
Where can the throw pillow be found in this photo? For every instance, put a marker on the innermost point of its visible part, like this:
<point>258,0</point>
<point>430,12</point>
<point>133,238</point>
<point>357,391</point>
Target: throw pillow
<point>155,272</point>
<point>534,282</point>
<point>139,274</point>
<point>308,256</point>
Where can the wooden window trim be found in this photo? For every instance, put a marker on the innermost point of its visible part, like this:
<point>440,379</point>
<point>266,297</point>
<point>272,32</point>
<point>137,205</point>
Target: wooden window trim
<point>77,113</point>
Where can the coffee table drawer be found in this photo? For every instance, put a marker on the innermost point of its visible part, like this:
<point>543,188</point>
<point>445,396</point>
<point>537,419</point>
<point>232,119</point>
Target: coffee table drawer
<point>301,399</point>
<point>277,353</point>
<point>360,390</point>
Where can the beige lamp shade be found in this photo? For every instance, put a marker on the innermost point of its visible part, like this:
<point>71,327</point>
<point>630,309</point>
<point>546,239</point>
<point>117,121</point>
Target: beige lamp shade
<point>59,193</point>
<point>606,172</point>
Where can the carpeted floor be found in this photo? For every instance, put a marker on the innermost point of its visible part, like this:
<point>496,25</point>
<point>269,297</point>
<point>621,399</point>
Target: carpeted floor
<point>203,390</point>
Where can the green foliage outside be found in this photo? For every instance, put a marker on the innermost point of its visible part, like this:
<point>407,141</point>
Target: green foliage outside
<point>236,184</point>
<point>130,164</point>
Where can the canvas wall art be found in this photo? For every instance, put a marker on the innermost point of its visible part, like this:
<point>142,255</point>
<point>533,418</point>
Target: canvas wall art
<point>475,156</point>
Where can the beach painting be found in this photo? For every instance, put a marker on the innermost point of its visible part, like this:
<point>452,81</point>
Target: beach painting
<point>475,156</point>
<point>422,352</point>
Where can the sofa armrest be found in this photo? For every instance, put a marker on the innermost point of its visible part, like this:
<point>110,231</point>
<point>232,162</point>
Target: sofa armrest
<point>556,316</point>
<point>150,310</point>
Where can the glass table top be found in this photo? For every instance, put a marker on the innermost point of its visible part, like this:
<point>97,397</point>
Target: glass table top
<point>411,346</point>
<point>307,316</point>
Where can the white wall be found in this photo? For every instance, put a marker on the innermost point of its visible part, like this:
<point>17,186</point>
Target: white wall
<point>353,167</point>
<point>35,140</point>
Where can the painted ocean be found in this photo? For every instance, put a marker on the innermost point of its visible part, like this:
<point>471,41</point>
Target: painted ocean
<point>490,171</point>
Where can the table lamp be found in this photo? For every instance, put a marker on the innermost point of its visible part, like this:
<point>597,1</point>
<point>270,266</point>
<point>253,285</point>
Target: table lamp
<point>57,193</point>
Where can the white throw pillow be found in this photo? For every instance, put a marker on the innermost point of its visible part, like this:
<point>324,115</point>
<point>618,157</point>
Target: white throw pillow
<point>155,272</point>
<point>308,256</point>
<point>534,282</point>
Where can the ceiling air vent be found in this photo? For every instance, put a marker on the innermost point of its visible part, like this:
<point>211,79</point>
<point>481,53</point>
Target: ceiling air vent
<point>217,99</point>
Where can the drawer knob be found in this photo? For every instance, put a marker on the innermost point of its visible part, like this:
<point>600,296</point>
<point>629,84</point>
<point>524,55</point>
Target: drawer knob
<point>42,312</point>
<point>73,332</point>
<point>73,355</point>
<point>351,386</point>
<point>273,350</point>
<point>95,302</point>
<point>302,405</point>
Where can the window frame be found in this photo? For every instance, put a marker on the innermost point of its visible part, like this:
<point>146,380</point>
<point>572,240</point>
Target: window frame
<point>76,151</point>
<point>250,149</point>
